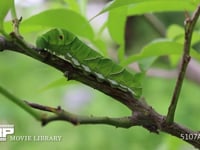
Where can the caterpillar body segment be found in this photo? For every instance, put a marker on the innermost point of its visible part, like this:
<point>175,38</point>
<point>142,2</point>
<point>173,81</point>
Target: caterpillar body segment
<point>64,43</point>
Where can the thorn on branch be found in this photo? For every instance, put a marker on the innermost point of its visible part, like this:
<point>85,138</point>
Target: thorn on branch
<point>16,23</point>
<point>187,59</point>
<point>59,108</point>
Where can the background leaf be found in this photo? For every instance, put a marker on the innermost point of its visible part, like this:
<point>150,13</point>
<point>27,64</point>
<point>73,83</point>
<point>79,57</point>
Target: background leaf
<point>116,26</point>
<point>115,4</point>
<point>146,63</point>
<point>5,6</point>
<point>159,48</point>
<point>176,33</point>
<point>57,83</point>
<point>59,18</point>
<point>83,6</point>
<point>143,6</point>
<point>161,6</point>
<point>73,4</point>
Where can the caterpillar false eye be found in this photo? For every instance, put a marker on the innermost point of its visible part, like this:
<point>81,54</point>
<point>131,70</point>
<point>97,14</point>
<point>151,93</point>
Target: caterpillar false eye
<point>61,37</point>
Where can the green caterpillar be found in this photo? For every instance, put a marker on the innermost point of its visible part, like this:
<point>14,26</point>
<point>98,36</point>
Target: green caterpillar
<point>64,43</point>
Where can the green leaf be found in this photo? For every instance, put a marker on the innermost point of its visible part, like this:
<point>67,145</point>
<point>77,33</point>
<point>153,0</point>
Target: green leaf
<point>146,63</point>
<point>83,6</point>
<point>195,38</point>
<point>121,52</point>
<point>101,45</point>
<point>161,6</point>
<point>73,4</point>
<point>177,34</point>
<point>159,48</point>
<point>116,27</point>
<point>116,24</point>
<point>57,83</point>
<point>116,4</point>
<point>59,18</point>
<point>174,31</point>
<point>174,60</point>
<point>144,6</point>
<point>5,6</point>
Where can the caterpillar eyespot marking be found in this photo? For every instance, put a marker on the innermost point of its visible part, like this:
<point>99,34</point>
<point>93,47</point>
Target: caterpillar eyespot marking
<point>75,62</point>
<point>61,42</point>
<point>86,68</point>
<point>122,86</point>
<point>100,76</point>
<point>131,91</point>
<point>92,58</point>
<point>69,55</point>
<point>113,82</point>
<point>61,37</point>
<point>61,56</point>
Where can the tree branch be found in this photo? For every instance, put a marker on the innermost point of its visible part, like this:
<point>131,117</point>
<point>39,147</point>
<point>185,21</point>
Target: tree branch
<point>189,26</point>
<point>20,103</point>
<point>123,122</point>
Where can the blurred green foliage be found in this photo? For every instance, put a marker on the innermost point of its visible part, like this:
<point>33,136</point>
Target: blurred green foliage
<point>25,77</point>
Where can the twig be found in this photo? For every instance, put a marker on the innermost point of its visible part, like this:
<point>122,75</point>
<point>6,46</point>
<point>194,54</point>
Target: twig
<point>189,26</point>
<point>44,108</point>
<point>62,115</point>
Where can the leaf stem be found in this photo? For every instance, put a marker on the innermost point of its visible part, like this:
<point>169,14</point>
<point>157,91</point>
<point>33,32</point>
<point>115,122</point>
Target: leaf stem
<point>20,103</point>
<point>13,10</point>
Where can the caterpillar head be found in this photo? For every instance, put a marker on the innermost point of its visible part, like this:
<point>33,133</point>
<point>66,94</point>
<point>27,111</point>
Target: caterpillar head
<point>56,40</point>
